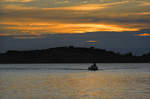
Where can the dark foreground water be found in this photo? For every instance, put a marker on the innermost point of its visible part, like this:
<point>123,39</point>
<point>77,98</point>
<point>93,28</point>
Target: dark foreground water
<point>73,81</point>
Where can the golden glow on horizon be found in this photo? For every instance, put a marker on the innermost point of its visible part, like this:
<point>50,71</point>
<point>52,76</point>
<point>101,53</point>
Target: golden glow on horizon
<point>144,34</point>
<point>71,28</point>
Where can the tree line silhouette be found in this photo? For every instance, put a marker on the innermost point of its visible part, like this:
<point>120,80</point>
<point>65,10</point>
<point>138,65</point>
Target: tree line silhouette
<point>71,54</point>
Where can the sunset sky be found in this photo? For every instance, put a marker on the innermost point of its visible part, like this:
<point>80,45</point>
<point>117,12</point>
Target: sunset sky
<point>119,25</point>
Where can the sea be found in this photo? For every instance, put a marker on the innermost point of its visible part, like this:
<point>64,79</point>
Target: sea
<point>74,81</point>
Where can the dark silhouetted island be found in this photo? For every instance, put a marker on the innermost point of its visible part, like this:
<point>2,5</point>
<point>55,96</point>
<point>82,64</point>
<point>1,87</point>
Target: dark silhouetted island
<point>71,55</point>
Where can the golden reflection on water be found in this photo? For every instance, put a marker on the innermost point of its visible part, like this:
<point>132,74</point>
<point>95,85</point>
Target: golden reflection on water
<point>86,85</point>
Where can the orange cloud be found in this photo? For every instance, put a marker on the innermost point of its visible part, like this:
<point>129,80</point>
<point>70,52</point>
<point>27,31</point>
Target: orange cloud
<point>115,3</point>
<point>68,19</point>
<point>144,34</point>
<point>87,7</point>
<point>144,3</point>
<point>28,36</point>
<point>92,41</point>
<point>22,36</point>
<point>83,7</point>
<point>17,7</point>
<point>16,0</point>
<point>5,34</point>
<point>143,13</point>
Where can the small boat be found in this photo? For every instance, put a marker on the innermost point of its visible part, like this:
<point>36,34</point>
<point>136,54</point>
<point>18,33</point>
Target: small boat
<point>93,67</point>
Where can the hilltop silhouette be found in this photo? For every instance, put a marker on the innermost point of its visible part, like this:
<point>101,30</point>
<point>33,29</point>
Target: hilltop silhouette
<point>71,55</point>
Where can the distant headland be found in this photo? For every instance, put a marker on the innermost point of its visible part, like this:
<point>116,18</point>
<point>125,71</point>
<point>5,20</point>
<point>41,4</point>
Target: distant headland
<point>71,54</point>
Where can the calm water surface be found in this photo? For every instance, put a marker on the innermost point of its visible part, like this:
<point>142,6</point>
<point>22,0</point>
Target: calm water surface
<point>73,81</point>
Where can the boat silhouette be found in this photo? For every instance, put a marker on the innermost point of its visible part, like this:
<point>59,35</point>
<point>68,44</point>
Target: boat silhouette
<point>93,67</point>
